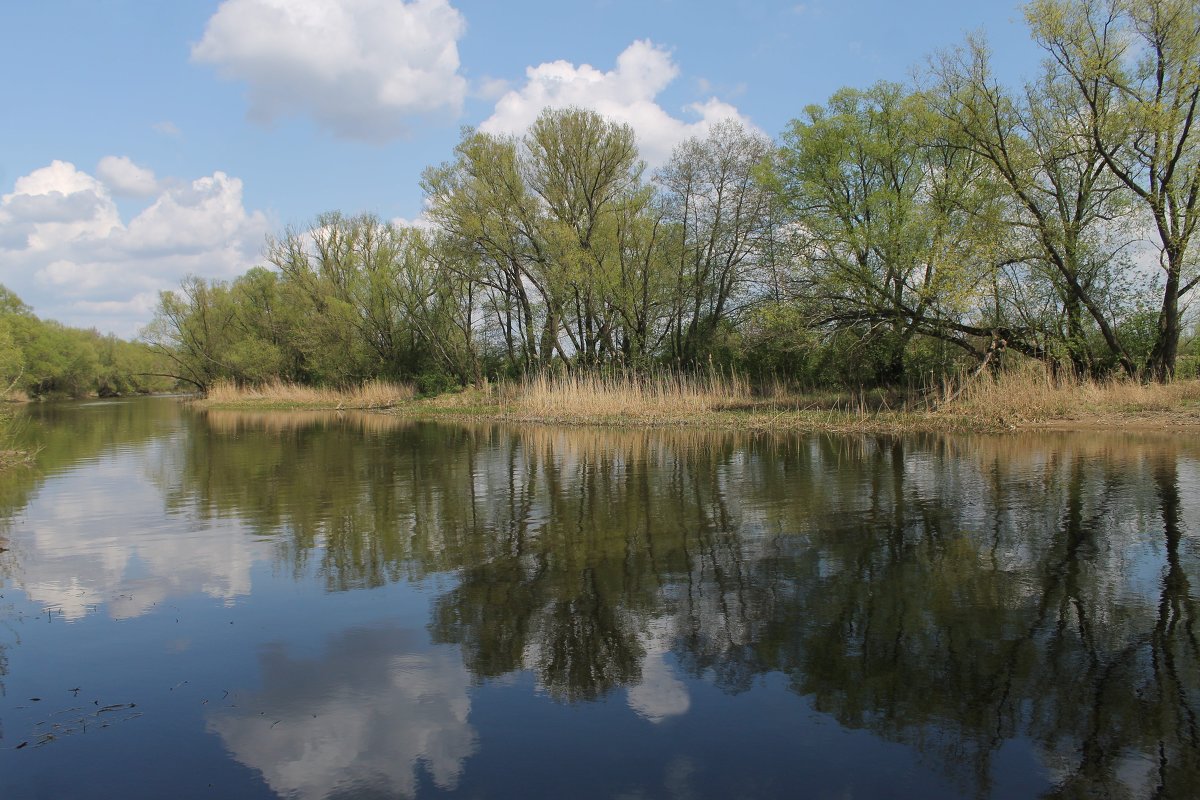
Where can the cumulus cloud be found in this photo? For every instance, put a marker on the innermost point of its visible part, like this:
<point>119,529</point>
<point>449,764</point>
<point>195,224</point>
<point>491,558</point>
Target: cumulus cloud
<point>373,709</point>
<point>627,94</point>
<point>124,177</point>
<point>360,68</point>
<point>69,564</point>
<point>66,251</point>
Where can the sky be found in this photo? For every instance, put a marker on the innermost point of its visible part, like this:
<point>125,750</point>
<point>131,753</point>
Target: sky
<point>141,141</point>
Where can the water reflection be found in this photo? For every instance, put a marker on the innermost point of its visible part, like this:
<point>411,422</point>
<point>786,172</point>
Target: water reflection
<point>361,717</point>
<point>954,595</point>
<point>950,594</point>
<point>95,534</point>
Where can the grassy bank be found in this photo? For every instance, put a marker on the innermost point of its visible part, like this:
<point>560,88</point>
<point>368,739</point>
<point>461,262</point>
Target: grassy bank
<point>1023,398</point>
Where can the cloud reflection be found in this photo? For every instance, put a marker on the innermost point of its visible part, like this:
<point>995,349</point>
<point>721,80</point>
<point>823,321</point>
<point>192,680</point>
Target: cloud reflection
<point>365,715</point>
<point>83,550</point>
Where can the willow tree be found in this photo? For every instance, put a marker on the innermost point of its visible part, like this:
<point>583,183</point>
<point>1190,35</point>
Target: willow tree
<point>891,234</point>
<point>481,203</point>
<point>346,273</point>
<point>1065,216</point>
<point>193,331</point>
<point>585,170</point>
<point>720,213</point>
<point>12,361</point>
<point>545,226</point>
<point>1134,72</point>
<point>440,300</point>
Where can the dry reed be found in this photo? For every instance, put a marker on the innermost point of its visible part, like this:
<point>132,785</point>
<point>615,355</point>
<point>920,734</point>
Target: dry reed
<point>1031,393</point>
<point>280,394</point>
<point>622,396</point>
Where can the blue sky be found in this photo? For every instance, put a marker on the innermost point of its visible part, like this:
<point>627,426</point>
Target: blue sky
<point>144,140</point>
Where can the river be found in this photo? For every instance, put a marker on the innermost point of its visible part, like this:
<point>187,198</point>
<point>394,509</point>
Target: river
<point>318,605</point>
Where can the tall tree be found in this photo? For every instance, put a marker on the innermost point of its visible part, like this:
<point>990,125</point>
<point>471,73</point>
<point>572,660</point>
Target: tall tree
<point>721,214</point>
<point>1065,212</point>
<point>888,240</point>
<point>1134,67</point>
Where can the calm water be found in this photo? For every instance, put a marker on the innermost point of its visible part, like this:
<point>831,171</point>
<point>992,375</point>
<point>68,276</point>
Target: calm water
<point>258,605</point>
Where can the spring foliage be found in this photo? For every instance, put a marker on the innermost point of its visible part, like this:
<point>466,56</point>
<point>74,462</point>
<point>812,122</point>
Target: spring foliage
<point>894,234</point>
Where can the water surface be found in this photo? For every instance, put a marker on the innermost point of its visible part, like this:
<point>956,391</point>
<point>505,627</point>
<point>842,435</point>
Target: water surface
<point>317,605</point>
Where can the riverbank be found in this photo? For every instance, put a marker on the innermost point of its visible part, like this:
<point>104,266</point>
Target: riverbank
<point>1022,400</point>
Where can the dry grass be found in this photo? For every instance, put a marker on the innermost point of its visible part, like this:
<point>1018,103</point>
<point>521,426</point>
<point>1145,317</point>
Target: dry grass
<point>629,396</point>
<point>278,394</point>
<point>1027,396</point>
<point>1030,393</point>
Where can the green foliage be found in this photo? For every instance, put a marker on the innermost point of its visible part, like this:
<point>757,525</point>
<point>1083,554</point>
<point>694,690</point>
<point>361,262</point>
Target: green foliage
<point>45,359</point>
<point>1132,73</point>
<point>435,383</point>
<point>893,233</point>
<point>896,233</point>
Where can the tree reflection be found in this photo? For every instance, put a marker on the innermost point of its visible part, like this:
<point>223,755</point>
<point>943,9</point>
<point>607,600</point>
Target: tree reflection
<point>951,594</point>
<point>67,435</point>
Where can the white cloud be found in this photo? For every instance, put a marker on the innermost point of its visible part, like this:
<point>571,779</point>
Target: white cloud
<point>70,565</point>
<point>419,221</point>
<point>372,709</point>
<point>360,68</point>
<point>659,695</point>
<point>123,176</point>
<point>65,250</point>
<point>167,128</point>
<point>626,94</point>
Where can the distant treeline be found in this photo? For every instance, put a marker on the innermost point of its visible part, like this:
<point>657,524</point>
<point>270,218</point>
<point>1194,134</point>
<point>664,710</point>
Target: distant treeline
<point>40,358</point>
<point>895,233</point>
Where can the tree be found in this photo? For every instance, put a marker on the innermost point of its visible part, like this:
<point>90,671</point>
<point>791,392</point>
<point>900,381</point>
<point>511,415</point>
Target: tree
<point>193,331</point>
<point>481,203</point>
<point>1065,211</point>
<point>1134,70</point>
<point>557,229</point>
<point>892,232</point>
<point>720,213</point>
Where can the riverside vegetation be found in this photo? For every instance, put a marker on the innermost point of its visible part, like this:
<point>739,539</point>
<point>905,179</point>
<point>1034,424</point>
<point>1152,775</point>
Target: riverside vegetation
<point>890,260</point>
<point>41,359</point>
<point>1021,397</point>
<point>894,239</point>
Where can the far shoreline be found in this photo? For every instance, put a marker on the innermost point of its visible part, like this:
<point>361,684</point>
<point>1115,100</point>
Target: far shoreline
<point>1184,416</point>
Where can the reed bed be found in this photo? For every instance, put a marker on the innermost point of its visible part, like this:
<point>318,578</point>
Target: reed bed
<point>281,394</point>
<point>1031,393</point>
<point>578,397</point>
<point>1027,395</point>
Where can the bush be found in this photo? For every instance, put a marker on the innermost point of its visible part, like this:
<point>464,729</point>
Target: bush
<point>433,382</point>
